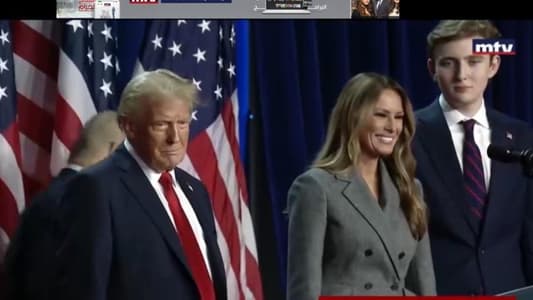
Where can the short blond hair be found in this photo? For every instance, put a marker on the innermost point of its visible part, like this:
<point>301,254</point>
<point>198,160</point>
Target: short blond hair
<point>160,83</point>
<point>100,134</point>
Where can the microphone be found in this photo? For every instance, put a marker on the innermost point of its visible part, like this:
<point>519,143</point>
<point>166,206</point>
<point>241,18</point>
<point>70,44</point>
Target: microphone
<point>503,154</point>
<point>508,155</point>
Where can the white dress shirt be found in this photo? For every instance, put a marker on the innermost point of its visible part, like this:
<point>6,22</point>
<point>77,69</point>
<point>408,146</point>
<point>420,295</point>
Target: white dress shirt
<point>481,133</point>
<point>153,178</point>
<point>74,167</point>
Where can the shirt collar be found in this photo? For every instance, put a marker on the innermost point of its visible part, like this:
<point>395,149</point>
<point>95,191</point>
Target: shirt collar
<point>454,117</point>
<point>150,173</point>
<point>74,167</point>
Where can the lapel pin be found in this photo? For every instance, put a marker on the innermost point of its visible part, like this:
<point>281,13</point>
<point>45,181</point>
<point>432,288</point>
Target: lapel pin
<point>509,135</point>
<point>190,187</point>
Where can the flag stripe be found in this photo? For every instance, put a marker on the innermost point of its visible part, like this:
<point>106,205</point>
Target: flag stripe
<point>73,88</point>
<point>49,29</point>
<point>35,160</point>
<point>35,123</point>
<point>225,163</point>
<point>59,155</point>
<point>34,85</point>
<point>231,278</point>
<point>31,187</point>
<point>253,275</point>
<point>203,158</point>
<point>46,59</point>
<point>10,167</point>
<point>9,204</point>
<point>68,128</point>
<point>231,129</point>
<point>4,241</point>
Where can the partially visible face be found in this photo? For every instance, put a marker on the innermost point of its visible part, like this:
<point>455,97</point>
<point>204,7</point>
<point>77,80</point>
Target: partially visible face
<point>161,133</point>
<point>383,126</point>
<point>462,76</point>
<point>365,2</point>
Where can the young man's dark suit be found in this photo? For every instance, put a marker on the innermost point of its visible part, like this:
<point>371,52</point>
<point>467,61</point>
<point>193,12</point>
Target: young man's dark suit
<point>123,244</point>
<point>384,8</point>
<point>500,256</point>
<point>31,255</point>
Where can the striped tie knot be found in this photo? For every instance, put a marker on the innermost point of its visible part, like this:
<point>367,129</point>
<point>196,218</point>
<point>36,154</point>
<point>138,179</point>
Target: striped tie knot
<point>468,126</point>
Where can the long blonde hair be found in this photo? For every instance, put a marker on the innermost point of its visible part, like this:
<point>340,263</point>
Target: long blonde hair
<point>342,149</point>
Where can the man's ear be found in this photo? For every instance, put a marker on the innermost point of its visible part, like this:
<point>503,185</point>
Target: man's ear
<point>494,66</point>
<point>430,64</point>
<point>126,125</point>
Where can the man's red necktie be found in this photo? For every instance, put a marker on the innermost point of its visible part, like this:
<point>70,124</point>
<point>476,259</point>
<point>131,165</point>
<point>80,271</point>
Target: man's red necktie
<point>189,243</point>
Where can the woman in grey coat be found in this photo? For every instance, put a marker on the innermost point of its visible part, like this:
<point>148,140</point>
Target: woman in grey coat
<point>357,220</point>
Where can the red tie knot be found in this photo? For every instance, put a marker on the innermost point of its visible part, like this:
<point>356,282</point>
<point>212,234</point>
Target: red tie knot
<point>166,179</point>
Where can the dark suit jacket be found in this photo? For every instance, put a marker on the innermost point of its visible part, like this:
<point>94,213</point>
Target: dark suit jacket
<point>122,244</point>
<point>383,10</point>
<point>31,256</point>
<point>468,260</point>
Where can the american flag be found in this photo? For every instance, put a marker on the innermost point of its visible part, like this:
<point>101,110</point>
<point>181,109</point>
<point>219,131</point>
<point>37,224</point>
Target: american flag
<point>66,72</point>
<point>11,178</point>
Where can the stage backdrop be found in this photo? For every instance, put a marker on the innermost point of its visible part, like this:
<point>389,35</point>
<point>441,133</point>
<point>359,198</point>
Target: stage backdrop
<point>300,69</point>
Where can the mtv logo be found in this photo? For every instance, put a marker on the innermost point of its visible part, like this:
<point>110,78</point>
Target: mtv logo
<point>493,47</point>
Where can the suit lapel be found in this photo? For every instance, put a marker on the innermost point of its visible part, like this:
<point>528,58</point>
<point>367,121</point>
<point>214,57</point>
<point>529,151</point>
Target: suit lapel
<point>355,190</point>
<point>499,172</point>
<point>391,198</point>
<point>196,201</point>
<point>142,191</point>
<point>437,141</point>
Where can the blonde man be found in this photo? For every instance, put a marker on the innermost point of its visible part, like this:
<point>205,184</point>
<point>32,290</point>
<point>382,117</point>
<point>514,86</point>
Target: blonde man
<point>143,228</point>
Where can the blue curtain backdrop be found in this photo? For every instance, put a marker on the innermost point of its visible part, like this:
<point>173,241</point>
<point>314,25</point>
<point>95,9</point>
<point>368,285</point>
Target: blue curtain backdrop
<point>300,67</point>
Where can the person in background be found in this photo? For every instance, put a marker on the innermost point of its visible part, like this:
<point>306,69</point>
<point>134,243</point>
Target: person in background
<point>395,9</point>
<point>30,258</point>
<point>381,8</point>
<point>362,8</point>
<point>141,227</point>
<point>481,210</point>
<point>357,220</point>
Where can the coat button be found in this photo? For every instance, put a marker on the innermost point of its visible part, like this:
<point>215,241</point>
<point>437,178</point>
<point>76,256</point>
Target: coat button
<point>368,252</point>
<point>368,285</point>
<point>394,287</point>
<point>401,255</point>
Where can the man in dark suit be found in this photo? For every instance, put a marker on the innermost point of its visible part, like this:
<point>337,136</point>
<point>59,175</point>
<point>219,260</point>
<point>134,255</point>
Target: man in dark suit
<point>382,8</point>
<point>31,256</point>
<point>481,210</point>
<point>142,228</point>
